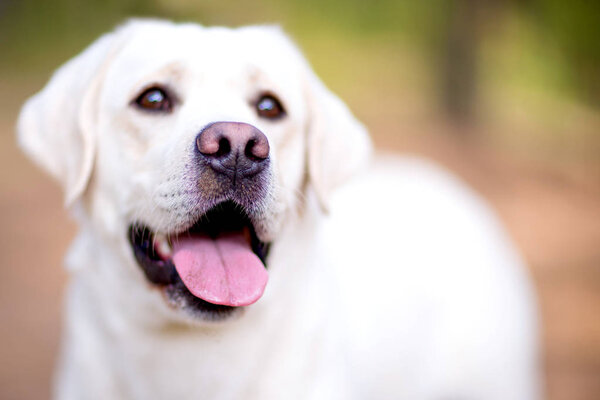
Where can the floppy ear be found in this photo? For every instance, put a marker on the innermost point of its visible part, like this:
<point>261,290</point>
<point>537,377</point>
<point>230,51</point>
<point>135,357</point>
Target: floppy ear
<point>338,144</point>
<point>56,126</point>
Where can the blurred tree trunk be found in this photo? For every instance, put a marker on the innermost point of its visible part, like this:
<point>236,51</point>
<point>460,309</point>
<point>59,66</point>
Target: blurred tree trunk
<point>459,61</point>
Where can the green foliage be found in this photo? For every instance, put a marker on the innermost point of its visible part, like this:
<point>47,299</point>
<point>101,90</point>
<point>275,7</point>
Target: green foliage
<point>573,27</point>
<point>37,35</point>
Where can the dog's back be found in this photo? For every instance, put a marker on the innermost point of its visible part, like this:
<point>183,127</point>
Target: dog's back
<point>436,300</point>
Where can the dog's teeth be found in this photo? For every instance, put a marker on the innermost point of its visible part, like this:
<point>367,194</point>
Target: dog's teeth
<point>162,246</point>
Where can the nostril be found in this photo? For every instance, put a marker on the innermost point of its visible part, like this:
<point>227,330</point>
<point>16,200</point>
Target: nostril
<point>214,143</point>
<point>257,149</point>
<point>249,150</point>
<point>224,147</point>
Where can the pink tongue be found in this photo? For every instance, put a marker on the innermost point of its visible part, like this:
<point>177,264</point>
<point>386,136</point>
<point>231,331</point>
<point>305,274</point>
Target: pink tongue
<point>222,270</point>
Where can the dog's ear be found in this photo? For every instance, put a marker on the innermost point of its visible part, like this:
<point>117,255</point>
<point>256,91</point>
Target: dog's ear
<point>338,144</point>
<point>56,126</point>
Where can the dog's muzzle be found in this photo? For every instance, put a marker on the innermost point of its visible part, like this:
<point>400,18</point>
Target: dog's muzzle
<point>217,263</point>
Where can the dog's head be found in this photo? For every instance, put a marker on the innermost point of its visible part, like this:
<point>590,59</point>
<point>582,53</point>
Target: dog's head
<point>192,145</point>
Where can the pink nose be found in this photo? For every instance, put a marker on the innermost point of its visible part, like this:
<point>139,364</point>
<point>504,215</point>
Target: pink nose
<point>233,147</point>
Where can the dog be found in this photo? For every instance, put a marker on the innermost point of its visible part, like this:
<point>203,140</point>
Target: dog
<point>238,240</point>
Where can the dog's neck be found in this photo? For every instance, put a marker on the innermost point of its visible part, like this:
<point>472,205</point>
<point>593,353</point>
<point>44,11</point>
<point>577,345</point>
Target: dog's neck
<point>116,329</point>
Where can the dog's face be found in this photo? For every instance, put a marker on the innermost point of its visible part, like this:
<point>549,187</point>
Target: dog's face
<point>189,147</point>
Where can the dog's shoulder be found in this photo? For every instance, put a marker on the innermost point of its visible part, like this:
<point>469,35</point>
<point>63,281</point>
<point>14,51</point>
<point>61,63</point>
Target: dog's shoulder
<point>424,263</point>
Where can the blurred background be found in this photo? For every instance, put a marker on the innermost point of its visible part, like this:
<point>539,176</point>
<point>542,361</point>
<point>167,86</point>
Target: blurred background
<point>505,93</point>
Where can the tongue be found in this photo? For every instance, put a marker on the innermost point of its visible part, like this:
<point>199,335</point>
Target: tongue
<point>220,271</point>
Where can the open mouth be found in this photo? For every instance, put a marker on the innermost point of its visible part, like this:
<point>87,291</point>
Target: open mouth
<point>215,266</point>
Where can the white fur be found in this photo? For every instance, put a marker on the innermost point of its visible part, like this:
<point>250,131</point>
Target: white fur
<point>407,288</point>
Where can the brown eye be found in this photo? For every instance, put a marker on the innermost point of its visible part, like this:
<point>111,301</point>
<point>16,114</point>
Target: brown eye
<point>268,106</point>
<point>154,99</point>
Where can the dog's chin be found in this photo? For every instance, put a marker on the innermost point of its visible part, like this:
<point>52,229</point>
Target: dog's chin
<point>195,309</point>
<point>154,254</point>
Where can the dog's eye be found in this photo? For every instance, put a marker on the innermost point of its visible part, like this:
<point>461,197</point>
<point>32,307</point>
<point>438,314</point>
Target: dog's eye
<point>154,99</point>
<point>268,106</point>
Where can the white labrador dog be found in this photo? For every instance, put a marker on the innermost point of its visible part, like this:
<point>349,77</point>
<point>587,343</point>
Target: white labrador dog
<point>215,260</point>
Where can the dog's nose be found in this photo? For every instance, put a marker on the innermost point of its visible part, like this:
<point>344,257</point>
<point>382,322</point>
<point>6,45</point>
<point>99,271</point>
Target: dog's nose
<point>233,148</point>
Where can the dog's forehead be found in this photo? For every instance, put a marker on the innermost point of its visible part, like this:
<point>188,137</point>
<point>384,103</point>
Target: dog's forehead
<point>216,53</point>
